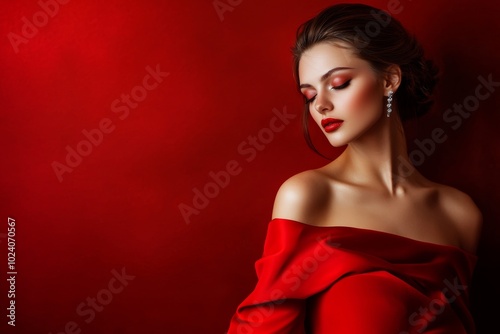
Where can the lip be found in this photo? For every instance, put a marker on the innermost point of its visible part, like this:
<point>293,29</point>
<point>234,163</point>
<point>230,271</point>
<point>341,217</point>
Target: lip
<point>331,124</point>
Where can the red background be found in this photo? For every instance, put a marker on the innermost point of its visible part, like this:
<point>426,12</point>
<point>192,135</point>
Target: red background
<point>119,206</point>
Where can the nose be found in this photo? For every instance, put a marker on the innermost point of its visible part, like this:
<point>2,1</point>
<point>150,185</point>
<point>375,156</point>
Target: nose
<point>323,104</point>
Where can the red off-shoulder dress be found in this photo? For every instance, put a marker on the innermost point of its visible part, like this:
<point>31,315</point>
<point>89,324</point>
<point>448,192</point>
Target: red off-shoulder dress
<point>346,280</point>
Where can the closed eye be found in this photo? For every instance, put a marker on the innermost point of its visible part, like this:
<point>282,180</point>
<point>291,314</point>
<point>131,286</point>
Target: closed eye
<point>310,100</point>
<point>339,87</point>
<point>344,85</point>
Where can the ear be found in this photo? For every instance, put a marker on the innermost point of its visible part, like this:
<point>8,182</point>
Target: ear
<point>392,79</point>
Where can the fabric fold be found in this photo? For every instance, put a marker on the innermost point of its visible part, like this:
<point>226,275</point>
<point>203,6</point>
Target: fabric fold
<point>343,279</point>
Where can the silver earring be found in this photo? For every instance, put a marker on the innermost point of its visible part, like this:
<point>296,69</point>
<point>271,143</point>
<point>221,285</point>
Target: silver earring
<point>389,103</point>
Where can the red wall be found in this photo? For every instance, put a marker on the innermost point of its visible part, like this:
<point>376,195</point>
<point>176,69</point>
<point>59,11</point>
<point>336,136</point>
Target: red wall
<point>116,114</point>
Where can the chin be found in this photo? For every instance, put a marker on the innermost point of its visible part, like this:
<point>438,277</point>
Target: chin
<point>339,138</point>
<point>338,143</point>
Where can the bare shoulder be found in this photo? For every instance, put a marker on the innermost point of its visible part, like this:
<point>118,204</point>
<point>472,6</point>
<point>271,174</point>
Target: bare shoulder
<point>464,213</point>
<point>302,197</point>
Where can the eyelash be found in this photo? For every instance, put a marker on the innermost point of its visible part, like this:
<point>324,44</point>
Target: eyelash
<point>344,85</point>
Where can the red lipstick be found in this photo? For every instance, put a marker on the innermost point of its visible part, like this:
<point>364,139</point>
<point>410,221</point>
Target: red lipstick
<point>331,124</point>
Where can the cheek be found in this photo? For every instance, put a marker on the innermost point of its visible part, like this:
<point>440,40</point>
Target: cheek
<point>313,114</point>
<point>363,99</point>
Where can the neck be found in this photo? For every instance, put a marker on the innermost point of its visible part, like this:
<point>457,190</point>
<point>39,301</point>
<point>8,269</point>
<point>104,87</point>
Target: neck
<point>379,158</point>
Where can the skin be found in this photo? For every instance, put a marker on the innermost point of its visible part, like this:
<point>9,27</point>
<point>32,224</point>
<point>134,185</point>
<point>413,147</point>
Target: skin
<point>366,187</point>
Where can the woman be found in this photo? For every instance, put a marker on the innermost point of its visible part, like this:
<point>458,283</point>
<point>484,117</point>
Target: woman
<point>364,244</point>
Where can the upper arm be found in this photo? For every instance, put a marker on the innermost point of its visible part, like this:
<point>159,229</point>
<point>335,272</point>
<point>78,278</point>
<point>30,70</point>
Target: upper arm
<point>467,217</point>
<point>302,198</point>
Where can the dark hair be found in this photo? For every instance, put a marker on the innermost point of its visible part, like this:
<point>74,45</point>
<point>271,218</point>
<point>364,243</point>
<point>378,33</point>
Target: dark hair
<point>374,36</point>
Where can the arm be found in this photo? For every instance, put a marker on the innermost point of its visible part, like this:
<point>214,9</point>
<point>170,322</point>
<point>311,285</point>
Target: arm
<point>466,216</point>
<point>303,198</point>
<point>273,306</point>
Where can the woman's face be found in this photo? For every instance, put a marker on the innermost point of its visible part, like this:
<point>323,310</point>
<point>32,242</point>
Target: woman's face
<point>345,96</point>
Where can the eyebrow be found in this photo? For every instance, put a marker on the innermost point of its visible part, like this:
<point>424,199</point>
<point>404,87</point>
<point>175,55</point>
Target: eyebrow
<point>327,74</point>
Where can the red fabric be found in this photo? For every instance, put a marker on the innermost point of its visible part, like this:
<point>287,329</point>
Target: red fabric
<point>351,280</point>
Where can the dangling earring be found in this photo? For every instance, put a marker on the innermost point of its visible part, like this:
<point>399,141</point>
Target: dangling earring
<point>389,103</point>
